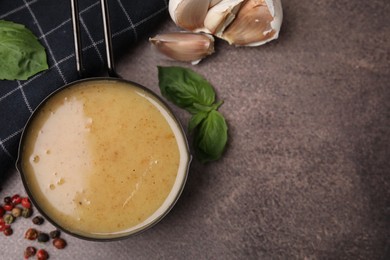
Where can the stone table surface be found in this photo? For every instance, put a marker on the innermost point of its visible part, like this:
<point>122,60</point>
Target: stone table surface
<point>306,174</point>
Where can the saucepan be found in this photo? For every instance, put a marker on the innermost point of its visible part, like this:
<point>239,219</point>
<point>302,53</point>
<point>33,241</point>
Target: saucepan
<point>103,158</point>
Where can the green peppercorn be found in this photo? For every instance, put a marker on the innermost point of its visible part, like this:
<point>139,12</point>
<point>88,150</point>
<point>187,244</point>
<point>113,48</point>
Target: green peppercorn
<point>8,219</point>
<point>16,212</point>
<point>38,220</point>
<point>26,212</point>
<point>43,237</point>
<point>55,233</point>
<point>31,234</point>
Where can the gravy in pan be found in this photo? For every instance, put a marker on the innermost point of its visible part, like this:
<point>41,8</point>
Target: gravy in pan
<point>104,158</point>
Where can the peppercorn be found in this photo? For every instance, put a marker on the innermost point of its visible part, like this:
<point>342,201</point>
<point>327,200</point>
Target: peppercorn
<point>16,212</point>
<point>16,199</point>
<point>26,212</point>
<point>59,243</point>
<point>43,237</point>
<point>8,231</point>
<point>8,200</point>
<point>55,233</point>
<point>42,254</point>
<point>2,226</point>
<point>2,211</point>
<point>29,252</point>
<point>26,202</point>
<point>31,234</point>
<point>8,219</point>
<point>8,206</point>
<point>38,220</point>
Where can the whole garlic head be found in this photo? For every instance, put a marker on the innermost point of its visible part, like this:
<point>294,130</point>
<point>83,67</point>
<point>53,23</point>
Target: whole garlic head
<point>240,22</point>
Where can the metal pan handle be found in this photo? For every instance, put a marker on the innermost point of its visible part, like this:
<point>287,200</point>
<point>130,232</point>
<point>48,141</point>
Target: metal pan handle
<point>107,38</point>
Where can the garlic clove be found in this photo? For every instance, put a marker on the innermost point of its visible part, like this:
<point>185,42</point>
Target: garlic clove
<point>256,23</point>
<point>221,15</point>
<point>184,46</point>
<point>189,14</point>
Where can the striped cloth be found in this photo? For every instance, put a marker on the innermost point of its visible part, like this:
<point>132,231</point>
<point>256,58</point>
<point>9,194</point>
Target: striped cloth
<point>51,22</point>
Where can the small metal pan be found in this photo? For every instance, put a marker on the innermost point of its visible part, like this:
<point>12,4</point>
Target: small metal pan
<point>181,176</point>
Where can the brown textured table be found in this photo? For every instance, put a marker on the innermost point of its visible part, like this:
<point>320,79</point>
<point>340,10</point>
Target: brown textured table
<point>307,171</point>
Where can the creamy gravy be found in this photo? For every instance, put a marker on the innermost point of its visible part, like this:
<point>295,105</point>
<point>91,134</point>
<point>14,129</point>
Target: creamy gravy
<point>103,158</point>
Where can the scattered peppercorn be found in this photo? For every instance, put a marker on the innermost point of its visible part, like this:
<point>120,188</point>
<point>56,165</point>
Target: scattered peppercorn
<point>43,237</point>
<point>55,233</point>
<point>42,254</point>
<point>38,220</point>
<point>16,199</point>
<point>16,212</point>
<point>2,211</point>
<point>8,219</point>
<point>59,243</point>
<point>26,212</point>
<point>31,234</point>
<point>8,231</point>
<point>8,200</point>
<point>8,206</point>
<point>2,226</point>
<point>29,252</point>
<point>26,202</point>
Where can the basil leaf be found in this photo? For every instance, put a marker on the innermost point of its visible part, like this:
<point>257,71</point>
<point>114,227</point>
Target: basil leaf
<point>196,120</point>
<point>21,54</point>
<point>184,88</point>
<point>210,137</point>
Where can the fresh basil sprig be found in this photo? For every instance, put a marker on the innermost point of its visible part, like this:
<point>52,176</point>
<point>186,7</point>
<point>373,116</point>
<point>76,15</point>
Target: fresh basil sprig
<point>21,54</point>
<point>190,91</point>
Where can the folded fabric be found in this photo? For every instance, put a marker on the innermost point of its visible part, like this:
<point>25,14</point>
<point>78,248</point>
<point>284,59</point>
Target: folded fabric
<point>51,22</point>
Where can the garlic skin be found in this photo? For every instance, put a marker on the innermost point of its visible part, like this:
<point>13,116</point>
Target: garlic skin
<point>214,2</point>
<point>184,46</point>
<point>220,16</point>
<point>256,23</point>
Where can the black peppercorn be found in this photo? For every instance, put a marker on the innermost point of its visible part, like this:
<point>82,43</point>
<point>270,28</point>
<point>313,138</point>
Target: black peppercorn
<point>55,234</point>
<point>43,237</point>
<point>8,200</point>
<point>38,220</point>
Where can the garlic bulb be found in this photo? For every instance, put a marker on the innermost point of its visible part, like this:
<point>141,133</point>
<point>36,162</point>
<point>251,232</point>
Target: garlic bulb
<point>240,22</point>
<point>256,23</point>
<point>184,46</point>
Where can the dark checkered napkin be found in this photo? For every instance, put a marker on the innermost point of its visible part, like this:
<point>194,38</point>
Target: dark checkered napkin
<point>50,22</point>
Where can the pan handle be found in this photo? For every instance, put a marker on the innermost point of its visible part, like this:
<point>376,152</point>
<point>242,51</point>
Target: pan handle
<point>107,38</point>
